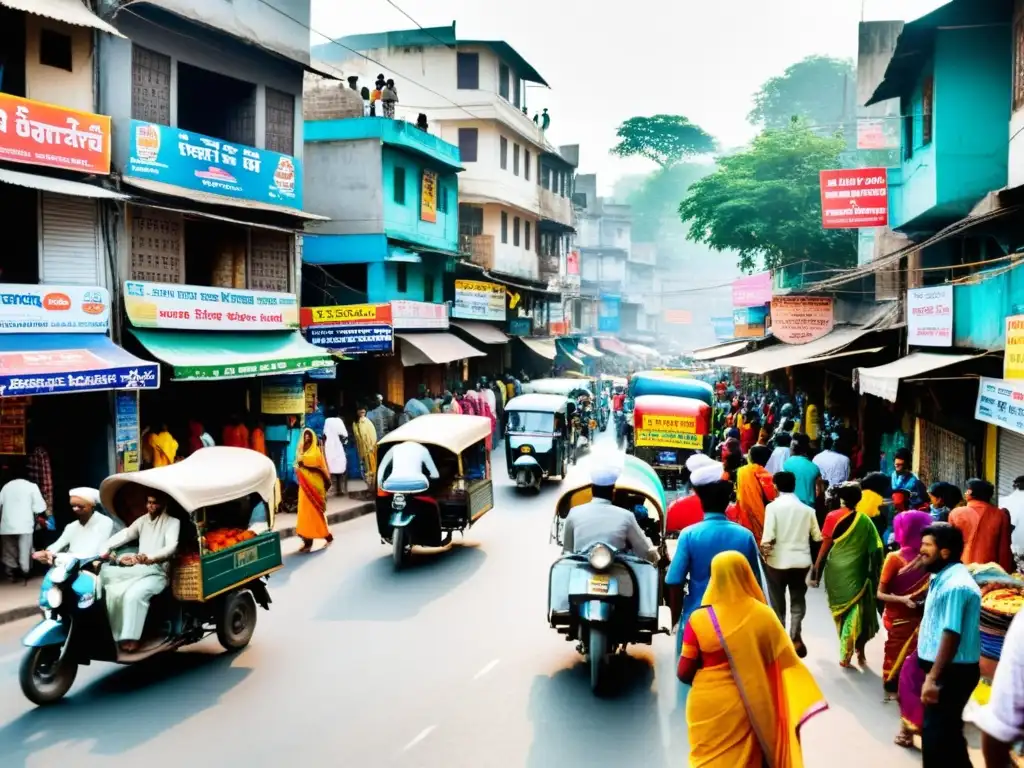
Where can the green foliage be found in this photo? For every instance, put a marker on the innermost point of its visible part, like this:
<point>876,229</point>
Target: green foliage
<point>765,202</point>
<point>665,139</point>
<point>655,199</point>
<point>819,89</point>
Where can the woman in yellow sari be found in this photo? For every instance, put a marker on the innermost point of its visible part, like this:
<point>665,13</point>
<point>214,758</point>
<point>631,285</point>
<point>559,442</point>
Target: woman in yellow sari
<point>163,446</point>
<point>314,482</point>
<point>751,694</point>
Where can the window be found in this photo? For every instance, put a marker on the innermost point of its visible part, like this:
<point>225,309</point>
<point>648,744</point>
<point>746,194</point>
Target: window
<point>402,277</point>
<point>428,288</point>
<point>399,184</point>
<point>503,81</point>
<point>468,66</point>
<point>280,122</point>
<point>55,49</point>
<point>471,220</point>
<point>467,144</point>
<point>515,159</point>
<point>540,170</point>
<point>504,153</point>
<point>906,107</point>
<point>1018,64</point>
<point>526,235</point>
<point>526,164</point>
<point>151,86</point>
<point>517,91</point>
<point>927,107</point>
<point>515,231</point>
<point>442,199</point>
<point>504,227</point>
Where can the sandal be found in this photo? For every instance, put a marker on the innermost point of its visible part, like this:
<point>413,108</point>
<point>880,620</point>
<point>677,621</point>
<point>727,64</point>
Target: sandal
<point>305,548</point>
<point>904,739</point>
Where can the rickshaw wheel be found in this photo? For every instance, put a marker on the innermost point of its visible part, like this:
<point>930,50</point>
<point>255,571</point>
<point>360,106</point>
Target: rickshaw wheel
<point>45,678</point>
<point>398,547</point>
<point>237,621</point>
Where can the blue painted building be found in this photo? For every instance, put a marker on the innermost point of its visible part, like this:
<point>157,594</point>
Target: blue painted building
<point>391,192</point>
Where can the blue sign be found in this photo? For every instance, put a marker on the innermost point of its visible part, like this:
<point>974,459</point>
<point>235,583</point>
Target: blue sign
<point>723,327</point>
<point>352,339</point>
<point>322,373</point>
<point>191,160</point>
<point>519,326</point>
<point>608,314</point>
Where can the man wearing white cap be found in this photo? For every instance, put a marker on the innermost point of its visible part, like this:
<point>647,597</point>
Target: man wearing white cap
<point>601,521</point>
<point>85,536</point>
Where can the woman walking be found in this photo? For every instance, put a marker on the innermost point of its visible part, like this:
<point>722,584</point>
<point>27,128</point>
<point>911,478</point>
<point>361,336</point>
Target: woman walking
<point>851,562</point>
<point>314,481</point>
<point>751,694</point>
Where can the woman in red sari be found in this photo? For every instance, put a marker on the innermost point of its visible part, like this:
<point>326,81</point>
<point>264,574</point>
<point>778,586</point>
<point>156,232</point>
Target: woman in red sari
<point>314,481</point>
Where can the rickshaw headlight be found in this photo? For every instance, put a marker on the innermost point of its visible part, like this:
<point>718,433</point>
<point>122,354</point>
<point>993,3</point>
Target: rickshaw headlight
<point>601,557</point>
<point>54,597</point>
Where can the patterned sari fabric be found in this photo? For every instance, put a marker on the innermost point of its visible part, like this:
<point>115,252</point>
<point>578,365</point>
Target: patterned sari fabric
<point>314,481</point>
<point>754,489</point>
<point>901,622</point>
<point>851,574</point>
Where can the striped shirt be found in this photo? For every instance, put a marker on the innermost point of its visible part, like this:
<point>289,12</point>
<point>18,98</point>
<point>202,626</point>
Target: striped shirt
<point>954,604</point>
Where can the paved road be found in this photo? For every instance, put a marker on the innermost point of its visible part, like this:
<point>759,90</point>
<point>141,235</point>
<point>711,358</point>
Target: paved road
<point>449,663</point>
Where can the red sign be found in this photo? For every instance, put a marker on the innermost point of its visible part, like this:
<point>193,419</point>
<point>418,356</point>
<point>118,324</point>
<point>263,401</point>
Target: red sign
<point>346,314</point>
<point>572,263</point>
<point>55,361</point>
<point>854,198</point>
<point>560,328</point>
<point>42,134</point>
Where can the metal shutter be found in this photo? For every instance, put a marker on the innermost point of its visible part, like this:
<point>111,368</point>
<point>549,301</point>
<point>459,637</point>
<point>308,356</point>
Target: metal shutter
<point>1011,460</point>
<point>70,248</point>
<point>943,455</point>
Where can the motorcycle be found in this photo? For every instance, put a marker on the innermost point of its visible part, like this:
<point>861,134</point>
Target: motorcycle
<point>603,414</point>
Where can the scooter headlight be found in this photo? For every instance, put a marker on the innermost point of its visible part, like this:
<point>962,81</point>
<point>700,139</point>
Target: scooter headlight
<point>601,557</point>
<point>54,597</point>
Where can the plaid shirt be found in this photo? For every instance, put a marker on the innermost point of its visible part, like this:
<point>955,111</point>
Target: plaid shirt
<point>40,472</point>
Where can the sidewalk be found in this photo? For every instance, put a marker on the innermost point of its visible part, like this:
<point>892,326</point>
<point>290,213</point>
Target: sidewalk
<point>19,601</point>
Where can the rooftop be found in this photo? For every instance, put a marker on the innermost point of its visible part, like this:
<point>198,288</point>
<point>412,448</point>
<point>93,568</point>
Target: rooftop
<point>393,133</point>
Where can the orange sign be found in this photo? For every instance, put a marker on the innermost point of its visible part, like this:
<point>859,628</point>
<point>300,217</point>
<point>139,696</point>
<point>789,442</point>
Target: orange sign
<point>678,316</point>
<point>43,134</point>
<point>800,319</point>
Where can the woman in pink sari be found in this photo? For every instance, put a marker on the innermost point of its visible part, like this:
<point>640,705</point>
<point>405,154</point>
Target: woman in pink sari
<point>482,408</point>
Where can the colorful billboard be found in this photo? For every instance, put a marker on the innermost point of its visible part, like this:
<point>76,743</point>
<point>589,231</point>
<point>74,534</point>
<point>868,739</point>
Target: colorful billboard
<point>53,309</point>
<point>479,300</point>
<point>800,319</point>
<point>196,307</point>
<point>351,329</point>
<point>852,198</point>
<point>55,137</point>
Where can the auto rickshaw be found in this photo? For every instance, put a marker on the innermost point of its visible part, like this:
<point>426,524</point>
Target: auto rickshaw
<point>585,422</point>
<point>224,499</point>
<point>426,509</point>
<point>667,431</point>
<point>652,383</point>
<point>605,599</point>
<point>537,438</point>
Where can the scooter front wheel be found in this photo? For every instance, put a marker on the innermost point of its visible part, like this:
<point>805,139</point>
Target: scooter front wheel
<point>597,648</point>
<point>45,676</point>
<point>398,547</point>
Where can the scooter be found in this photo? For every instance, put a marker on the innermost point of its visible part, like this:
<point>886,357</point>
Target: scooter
<point>528,473</point>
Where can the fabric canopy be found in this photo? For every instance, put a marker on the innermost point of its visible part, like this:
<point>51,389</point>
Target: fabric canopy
<point>589,350</point>
<point>488,334</point>
<point>543,347</point>
<point>59,186</point>
<point>614,346</point>
<point>787,355</point>
<point>884,380</point>
<point>643,351</point>
<point>719,351</point>
<point>431,348</point>
<point>226,355</point>
<point>73,12</point>
<point>48,363</point>
<point>569,352</point>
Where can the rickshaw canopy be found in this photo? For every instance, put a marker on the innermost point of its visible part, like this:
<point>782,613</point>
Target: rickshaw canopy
<point>537,403</point>
<point>564,387</point>
<point>651,383</point>
<point>637,477</point>
<point>452,431</point>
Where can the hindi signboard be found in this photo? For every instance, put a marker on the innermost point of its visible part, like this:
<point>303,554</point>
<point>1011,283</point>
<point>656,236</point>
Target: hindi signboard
<point>479,300</point>
<point>852,198</point>
<point>35,133</point>
<point>1013,357</point>
<point>930,316</point>
<point>1001,402</point>
<point>196,307</point>
<point>800,319</point>
<point>53,309</point>
<point>428,196</point>
<point>419,315</point>
<point>351,329</point>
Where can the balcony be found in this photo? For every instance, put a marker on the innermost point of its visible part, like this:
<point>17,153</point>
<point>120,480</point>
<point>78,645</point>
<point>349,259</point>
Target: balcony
<point>549,265</point>
<point>554,207</point>
<point>479,249</point>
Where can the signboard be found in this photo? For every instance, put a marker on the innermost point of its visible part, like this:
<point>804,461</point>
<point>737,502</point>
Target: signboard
<point>428,196</point>
<point>608,314</point>
<point>1001,402</point>
<point>53,309</point>
<point>854,198</point>
<point>724,327</point>
<point>283,397</point>
<point>55,137</point>
<point>678,316</point>
<point>126,430</point>
<point>419,315</point>
<point>878,132</point>
<point>350,329</point>
<point>866,246</point>
<point>193,161</point>
<point>519,327</point>
<point>1013,358</point>
<point>13,425</point>
<point>477,300</point>
<point>749,322</point>
<point>752,291</point>
<point>194,308</point>
<point>311,397</point>
<point>930,316</point>
<point>669,432</point>
<point>800,319</point>
<point>572,263</point>
<point>46,372</point>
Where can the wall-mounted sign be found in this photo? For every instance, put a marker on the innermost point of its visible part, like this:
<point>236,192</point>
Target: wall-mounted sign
<point>678,316</point>
<point>750,322</point>
<point>519,327</point>
<point>191,160</point>
<point>1013,358</point>
<point>572,263</point>
<point>608,314</point>
<point>669,431</point>
<point>478,300</point>
<point>126,430</point>
<point>197,307</point>
<point>419,315</point>
<point>1001,402</point>
<point>724,327</point>
<point>350,329</point>
<point>283,397</point>
<point>428,196</point>
<point>930,316</point>
<point>800,319</point>
<point>45,372</point>
<point>53,309</point>
<point>43,134</point>
<point>855,197</point>
<point>752,291</point>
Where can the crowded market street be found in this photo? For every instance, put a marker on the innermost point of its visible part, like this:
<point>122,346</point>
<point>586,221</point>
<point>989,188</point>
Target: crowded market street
<point>449,662</point>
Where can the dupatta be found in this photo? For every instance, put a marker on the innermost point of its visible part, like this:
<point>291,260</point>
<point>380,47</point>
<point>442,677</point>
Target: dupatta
<point>312,474</point>
<point>853,568</point>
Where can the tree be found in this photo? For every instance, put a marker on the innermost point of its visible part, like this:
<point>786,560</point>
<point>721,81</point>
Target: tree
<point>819,89</point>
<point>765,202</point>
<point>655,197</point>
<point>665,139</point>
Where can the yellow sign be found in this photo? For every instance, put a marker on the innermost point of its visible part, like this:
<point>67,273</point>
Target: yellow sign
<point>130,461</point>
<point>284,399</point>
<point>669,423</point>
<point>668,439</point>
<point>310,392</point>
<point>349,313</point>
<point>1013,360</point>
<point>428,196</point>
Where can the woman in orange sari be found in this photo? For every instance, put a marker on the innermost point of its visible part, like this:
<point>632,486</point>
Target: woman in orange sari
<point>754,489</point>
<point>314,482</point>
<point>751,694</point>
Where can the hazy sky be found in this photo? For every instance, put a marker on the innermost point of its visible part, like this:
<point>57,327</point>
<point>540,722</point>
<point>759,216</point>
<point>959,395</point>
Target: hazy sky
<point>612,59</point>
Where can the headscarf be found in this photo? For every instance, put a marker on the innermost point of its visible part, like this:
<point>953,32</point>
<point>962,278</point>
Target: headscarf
<point>89,495</point>
<point>907,528</point>
<point>312,458</point>
<point>732,581</point>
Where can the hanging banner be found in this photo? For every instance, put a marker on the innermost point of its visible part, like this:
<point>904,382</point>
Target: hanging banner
<point>752,291</point>
<point>428,196</point>
<point>930,316</point>
<point>54,137</point>
<point>1001,402</point>
<point>519,327</point>
<point>193,307</point>
<point>126,430</point>
<point>419,315</point>
<point>478,300</point>
<point>283,397</point>
<point>53,309</point>
<point>1013,357</point>
<point>350,329</point>
<point>854,198</point>
<point>572,263</point>
<point>800,319</point>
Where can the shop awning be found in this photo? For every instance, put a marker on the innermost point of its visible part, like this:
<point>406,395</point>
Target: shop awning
<point>589,350</point>
<point>226,355</point>
<point>51,363</point>
<point>884,380</point>
<point>569,352</point>
<point>72,12</point>
<point>643,351</point>
<point>720,351</point>
<point>488,334</point>
<point>208,198</point>
<point>615,346</point>
<point>430,348</point>
<point>787,355</point>
<point>58,186</point>
<point>543,347</point>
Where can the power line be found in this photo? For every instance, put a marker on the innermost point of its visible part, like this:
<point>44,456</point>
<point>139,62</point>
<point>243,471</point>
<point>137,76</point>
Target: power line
<point>402,11</point>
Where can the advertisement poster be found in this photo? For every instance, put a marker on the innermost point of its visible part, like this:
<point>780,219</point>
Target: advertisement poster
<point>752,291</point>
<point>930,316</point>
<point>193,161</point>
<point>428,196</point>
<point>608,314</point>
<point>419,315</point>
<point>878,133</point>
<point>669,432</point>
<point>478,300</point>
<point>519,327</point>
<point>283,397</point>
<point>1013,359</point>
<point>854,198</point>
<point>193,307</point>
<point>126,430</point>
<point>55,137</point>
<point>1001,402</point>
<point>53,309</point>
<point>800,319</point>
<point>750,322</point>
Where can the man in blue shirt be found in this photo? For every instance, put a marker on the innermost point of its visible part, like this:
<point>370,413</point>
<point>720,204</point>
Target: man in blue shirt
<point>948,647</point>
<point>806,471</point>
<point>903,479</point>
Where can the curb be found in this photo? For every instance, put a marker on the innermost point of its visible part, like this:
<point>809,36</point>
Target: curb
<point>333,518</point>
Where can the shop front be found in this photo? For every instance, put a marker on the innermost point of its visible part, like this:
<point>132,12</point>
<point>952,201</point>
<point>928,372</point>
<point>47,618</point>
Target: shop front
<point>427,353</point>
<point>478,315</point>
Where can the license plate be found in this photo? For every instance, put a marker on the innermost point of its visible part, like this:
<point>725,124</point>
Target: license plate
<point>599,585</point>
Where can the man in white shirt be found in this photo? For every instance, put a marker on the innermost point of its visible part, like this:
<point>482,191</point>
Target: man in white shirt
<point>1002,720</point>
<point>20,502</point>
<point>1014,504</point>
<point>781,453</point>
<point>85,536</point>
<point>408,461</point>
<point>789,526</point>
<point>834,466</point>
<point>137,578</point>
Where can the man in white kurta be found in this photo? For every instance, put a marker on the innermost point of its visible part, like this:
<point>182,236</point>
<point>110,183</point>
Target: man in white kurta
<point>334,450</point>
<point>129,586</point>
<point>86,535</point>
